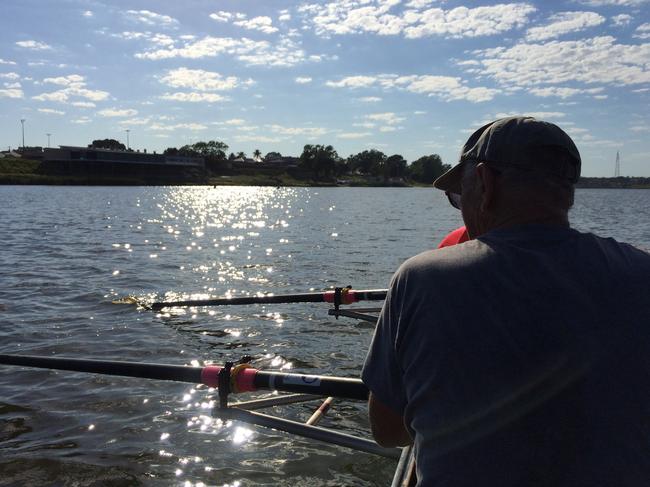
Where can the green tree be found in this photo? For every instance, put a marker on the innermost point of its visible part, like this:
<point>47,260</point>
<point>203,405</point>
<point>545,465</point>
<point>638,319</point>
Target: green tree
<point>427,168</point>
<point>394,167</point>
<point>212,151</point>
<point>272,155</point>
<point>111,144</point>
<point>321,160</point>
<point>257,154</point>
<point>241,154</point>
<point>369,162</point>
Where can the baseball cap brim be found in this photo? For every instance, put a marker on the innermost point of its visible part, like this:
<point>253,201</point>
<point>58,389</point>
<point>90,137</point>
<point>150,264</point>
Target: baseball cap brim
<point>450,181</point>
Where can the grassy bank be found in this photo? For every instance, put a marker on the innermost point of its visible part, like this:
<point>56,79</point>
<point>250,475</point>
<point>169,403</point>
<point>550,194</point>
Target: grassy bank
<point>24,171</point>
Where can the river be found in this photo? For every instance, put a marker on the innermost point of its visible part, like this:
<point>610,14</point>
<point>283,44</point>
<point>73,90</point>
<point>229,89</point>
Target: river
<point>69,252</point>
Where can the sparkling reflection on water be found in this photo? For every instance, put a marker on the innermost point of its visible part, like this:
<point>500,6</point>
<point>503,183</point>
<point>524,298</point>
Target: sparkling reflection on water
<point>69,252</point>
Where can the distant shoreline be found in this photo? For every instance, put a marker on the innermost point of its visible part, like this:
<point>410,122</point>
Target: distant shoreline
<point>25,172</point>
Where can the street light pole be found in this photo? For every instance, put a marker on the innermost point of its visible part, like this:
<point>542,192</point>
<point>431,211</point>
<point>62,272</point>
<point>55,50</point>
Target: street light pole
<point>22,122</point>
<point>48,140</point>
<point>127,139</point>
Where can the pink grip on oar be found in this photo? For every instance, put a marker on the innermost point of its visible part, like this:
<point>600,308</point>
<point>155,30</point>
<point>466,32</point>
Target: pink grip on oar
<point>246,380</point>
<point>347,297</point>
<point>210,375</point>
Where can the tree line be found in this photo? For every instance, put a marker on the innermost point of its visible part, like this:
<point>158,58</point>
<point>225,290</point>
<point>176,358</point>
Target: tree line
<point>321,161</point>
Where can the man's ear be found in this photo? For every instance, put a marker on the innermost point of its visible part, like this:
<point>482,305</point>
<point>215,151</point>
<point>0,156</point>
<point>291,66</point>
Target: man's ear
<point>487,180</point>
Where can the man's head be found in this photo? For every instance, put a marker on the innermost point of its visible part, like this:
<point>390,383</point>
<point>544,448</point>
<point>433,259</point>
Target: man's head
<point>514,170</point>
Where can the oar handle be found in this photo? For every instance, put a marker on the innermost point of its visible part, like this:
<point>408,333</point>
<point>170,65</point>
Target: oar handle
<point>244,379</point>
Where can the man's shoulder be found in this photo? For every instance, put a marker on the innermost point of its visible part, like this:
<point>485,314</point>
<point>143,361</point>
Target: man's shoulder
<point>449,258</point>
<point>616,249</point>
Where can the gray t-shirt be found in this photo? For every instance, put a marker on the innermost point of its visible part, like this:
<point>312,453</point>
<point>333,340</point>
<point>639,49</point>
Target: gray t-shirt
<point>521,358</point>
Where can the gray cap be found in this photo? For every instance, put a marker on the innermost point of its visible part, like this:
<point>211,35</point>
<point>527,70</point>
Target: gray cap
<point>517,141</point>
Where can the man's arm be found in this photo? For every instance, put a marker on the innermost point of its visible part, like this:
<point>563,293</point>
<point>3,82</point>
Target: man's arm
<point>386,425</point>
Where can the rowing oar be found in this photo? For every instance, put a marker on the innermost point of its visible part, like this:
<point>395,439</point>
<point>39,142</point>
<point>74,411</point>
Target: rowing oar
<point>337,296</point>
<point>242,377</point>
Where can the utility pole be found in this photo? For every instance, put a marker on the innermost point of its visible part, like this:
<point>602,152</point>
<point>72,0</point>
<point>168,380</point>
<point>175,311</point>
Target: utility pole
<point>127,139</point>
<point>48,140</point>
<point>617,167</point>
<point>22,122</point>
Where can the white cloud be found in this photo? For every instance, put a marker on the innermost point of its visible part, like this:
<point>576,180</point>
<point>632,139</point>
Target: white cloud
<point>4,61</point>
<point>34,45</point>
<point>83,104</point>
<point>82,120</point>
<point>131,35</point>
<point>261,23</point>
<point>370,99</point>
<point>283,52</point>
<point>235,121</point>
<point>537,115</point>
<point>136,121</point>
<point>616,3</point>
<point>88,13</point>
<point>117,112</point>
<point>194,97</point>
<point>198,79</point>
<point>301,80</point>
<point>389,118</point>
<point>470,22</point>
<point>353,135</point>
<point>284,16</point>
<point>51,111</point>
<point>221,16</point>
<point>643,31</point>
<point>445,87</point>
<point>187,126</point>
<point>11,93</point>
<point>621,20</point>
<point>597,60</point>
<point>151,18</point>
<point>10,75</point>
<point>353,82</point>
<point>563,91</point>
<point>74,86</point>
<point>640,128</point>
<point>375,16</point>
<point>54,96</point>
<point>564,23</point>
<point>70,80</point>
<point>419,112</point>
<point>260,139</point>
<point>305,131</point>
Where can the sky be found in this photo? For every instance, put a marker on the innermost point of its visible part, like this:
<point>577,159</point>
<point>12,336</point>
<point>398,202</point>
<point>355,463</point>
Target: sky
<point>409,77</point>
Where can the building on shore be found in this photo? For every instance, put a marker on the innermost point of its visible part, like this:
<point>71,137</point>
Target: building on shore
<point>105,163</point>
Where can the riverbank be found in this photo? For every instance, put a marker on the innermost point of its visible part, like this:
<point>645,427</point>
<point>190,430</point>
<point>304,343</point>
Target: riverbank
<point>28,172</point>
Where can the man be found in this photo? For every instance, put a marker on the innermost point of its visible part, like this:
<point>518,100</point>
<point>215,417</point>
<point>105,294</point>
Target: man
<point>520,357</point>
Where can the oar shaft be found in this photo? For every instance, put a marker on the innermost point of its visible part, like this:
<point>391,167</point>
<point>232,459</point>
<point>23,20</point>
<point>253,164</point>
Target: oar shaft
<point>243,300</point>
<point>248,379</point>
<point>311,384</point>
<point>179,373</point>
<point>346,297</point>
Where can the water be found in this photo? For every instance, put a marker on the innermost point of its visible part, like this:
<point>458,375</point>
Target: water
<point>69,251</point>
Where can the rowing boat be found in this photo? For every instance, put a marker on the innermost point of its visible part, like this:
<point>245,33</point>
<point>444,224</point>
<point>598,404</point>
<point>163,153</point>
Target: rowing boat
<point>241,377</point>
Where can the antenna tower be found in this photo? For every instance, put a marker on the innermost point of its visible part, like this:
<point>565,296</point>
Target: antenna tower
<point>617,168</point>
